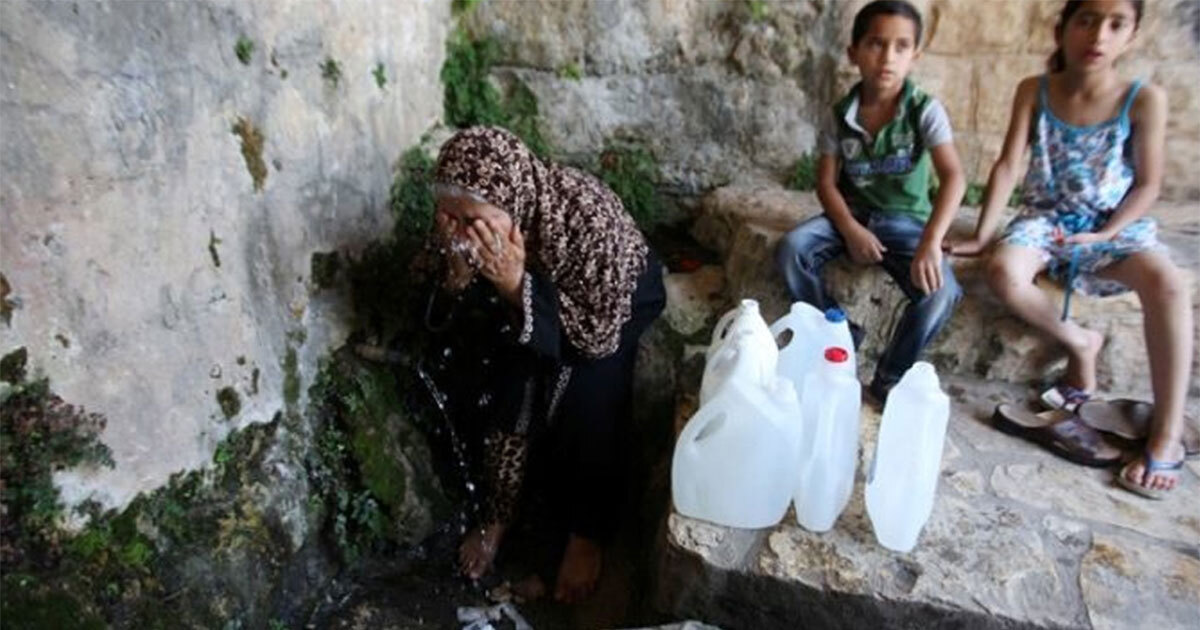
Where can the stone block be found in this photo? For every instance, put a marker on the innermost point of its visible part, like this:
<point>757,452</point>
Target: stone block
<point>724,210</point>
<point>693,299</point>
<point>967,27</point>
<point>997,82</point>
<point>952,81</point>
<point>982,338</point>
<point>1128,584</point>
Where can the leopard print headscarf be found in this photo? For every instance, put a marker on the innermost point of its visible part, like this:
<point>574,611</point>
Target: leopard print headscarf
<point>576,230</point>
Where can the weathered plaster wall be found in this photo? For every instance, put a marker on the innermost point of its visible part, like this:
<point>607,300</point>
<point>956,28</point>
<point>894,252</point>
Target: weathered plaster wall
<point>147,271</point>
<point>718,91</point>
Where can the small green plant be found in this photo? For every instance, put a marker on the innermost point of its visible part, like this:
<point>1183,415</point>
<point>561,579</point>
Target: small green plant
<point>411,199</point>
<point>631,171</point>
<point>39,434</point>
<point>244,48</point>
<point>758,10</point>
<point>570,71</point>
<point>458,8</point>
<point>380,75</point>
<point>804,173</point>
<point>470,98</point>
<point>331,71</point>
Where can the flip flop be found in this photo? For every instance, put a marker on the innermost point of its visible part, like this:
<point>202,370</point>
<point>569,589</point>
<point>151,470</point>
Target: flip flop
<point>1060,432</point>
<point>1063,396</point>
<point>1130,420</point>
<point>1152,466</point>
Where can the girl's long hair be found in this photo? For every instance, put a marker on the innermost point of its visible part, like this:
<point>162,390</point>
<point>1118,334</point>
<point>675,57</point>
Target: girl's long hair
<point>1058,61</point>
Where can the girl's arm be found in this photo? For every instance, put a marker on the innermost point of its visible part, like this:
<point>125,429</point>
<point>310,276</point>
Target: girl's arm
<point>1149,119</point>
<point>1004,173</point>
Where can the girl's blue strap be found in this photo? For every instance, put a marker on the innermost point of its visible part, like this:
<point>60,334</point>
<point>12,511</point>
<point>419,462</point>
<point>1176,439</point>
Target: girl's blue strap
<point>1133,90</point>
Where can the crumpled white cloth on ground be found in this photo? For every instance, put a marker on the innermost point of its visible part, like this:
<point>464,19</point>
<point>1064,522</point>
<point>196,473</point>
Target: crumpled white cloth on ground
<point>482,617</point>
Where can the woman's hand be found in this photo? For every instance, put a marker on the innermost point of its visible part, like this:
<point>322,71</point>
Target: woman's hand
<point>500,256</point>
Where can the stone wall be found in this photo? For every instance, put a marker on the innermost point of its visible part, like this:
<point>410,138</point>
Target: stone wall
<point>717,89</point>
<point>149,270</point>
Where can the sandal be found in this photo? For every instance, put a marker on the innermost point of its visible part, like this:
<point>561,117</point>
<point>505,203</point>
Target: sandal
<point>1060,432</point>
<point>1130,420</point>
<point>1065,397</point>
<point>1152,466</point>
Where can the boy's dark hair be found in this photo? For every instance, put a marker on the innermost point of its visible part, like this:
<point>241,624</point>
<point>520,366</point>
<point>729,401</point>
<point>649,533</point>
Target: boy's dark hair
<point>1058,62</point>
<point>862,21</point>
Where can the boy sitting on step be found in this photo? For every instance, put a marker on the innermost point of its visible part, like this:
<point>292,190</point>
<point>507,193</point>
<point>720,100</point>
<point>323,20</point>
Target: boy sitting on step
<point>878,149</point>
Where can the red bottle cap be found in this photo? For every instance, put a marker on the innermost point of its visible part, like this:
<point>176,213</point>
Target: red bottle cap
<point>836,355</point>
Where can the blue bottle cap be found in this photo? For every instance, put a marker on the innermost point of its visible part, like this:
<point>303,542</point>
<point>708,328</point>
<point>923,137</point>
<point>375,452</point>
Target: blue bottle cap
<point>835,315</point>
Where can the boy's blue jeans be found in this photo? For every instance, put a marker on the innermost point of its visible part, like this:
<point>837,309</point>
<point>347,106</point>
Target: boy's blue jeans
<point>804,251</point>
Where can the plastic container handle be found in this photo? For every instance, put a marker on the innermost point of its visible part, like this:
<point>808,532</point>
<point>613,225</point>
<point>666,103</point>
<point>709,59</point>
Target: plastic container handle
<point>687,437</point>
<point>722,324</point>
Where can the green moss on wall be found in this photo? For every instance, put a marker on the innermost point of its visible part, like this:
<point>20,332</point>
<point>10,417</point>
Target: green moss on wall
<point>252,151</point>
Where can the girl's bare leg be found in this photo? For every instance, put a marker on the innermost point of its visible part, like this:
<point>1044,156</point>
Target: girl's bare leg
<point>1010,273</point>
<point>1167,321</point>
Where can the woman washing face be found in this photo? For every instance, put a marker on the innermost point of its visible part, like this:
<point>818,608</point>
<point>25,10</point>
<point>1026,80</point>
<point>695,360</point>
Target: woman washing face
<point>560,284</point>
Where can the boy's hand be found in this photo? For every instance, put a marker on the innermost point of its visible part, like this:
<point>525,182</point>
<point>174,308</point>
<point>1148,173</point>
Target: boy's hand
<point>926,268</point>
<point>970,247</point>
<point>863,246</point>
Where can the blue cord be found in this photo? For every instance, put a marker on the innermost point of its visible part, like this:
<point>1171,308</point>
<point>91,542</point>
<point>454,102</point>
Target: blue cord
<point>1072,271</point>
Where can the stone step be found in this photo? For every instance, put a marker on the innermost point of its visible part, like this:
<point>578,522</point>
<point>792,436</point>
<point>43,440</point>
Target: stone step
<point>743,222</point>
<point>1018,539</point>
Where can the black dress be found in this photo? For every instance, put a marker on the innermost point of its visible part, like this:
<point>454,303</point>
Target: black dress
<point>517,380</point>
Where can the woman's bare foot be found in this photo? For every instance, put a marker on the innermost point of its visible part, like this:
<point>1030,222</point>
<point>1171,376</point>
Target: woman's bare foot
<point>478,550</point>
<point>579,571</point>
<point>1081,364</point>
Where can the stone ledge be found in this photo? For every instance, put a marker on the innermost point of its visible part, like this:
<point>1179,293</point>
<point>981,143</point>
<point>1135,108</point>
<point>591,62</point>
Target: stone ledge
<point>1017,539</point>
<point>744,222</point>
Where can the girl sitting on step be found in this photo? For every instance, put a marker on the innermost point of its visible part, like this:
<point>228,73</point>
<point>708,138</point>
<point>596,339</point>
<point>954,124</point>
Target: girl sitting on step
<point>1094,171</point>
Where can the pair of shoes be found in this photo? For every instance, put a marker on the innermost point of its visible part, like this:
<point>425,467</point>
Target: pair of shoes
<point>1060,432</point>
<point>1065,397</point>
<point>1130,420</point>
<point>1152,466</point>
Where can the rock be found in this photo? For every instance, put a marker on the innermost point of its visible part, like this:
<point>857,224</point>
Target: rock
<point>720,90</point>
<point>1128,584</point>
<point>693,299</point>
<point>1091,494</point>
<point>982,338</point>
<point>132,227</point>
<point>1006,546</point>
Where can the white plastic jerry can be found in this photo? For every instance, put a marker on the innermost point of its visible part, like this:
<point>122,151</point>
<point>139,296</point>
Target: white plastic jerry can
<point>802,348</point>
<point>904,474</point>
<point>741,322</point>
<point>837,332</point>
<point>735,459</point>
<point>828,454</point>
